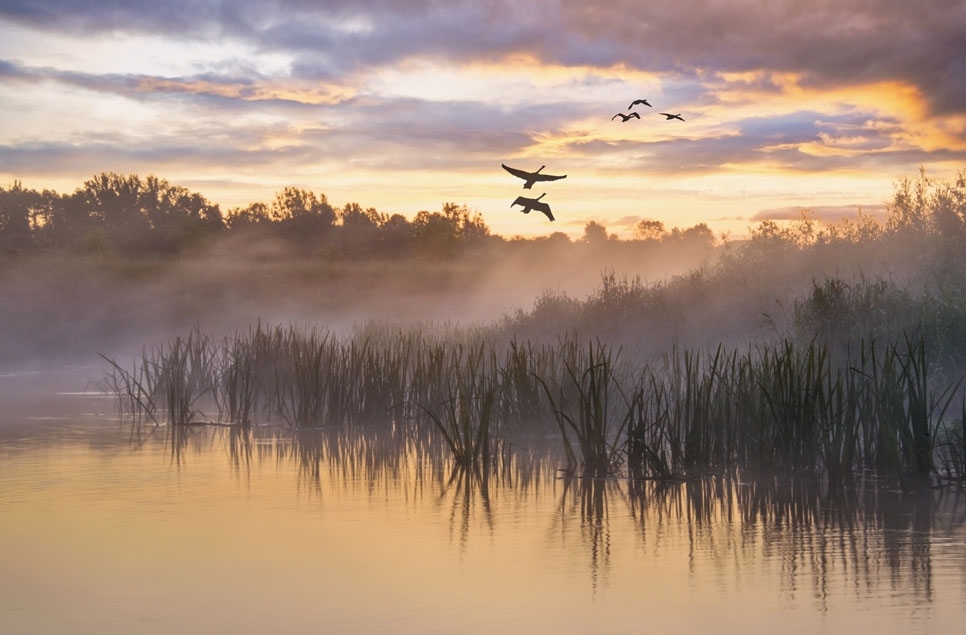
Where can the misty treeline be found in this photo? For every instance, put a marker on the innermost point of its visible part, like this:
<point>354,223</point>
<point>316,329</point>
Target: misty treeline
<point>68,288</point>
<point>131,216</point>
<point>859,277</point>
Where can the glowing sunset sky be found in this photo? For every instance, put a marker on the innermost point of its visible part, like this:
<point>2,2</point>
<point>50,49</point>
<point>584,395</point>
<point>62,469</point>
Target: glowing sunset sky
<point>402,105</point>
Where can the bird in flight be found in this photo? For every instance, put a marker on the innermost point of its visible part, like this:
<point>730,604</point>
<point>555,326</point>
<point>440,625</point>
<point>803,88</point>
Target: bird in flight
<point>531,177</point>
<point>533,203</point>
<point>625,117</point>
<point>670,116</point>
<point>639,101</point>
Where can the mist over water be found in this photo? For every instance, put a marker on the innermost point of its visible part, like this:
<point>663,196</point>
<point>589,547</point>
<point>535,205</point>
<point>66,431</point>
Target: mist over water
<point>73,307</point>
<point>129,523</point>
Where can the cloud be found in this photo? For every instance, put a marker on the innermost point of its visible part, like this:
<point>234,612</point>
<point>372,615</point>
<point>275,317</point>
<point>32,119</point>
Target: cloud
<point>799,141</point>
<point>850,41</point>
<point>698,47</point>
<point>184,17</point>
<point>216,87</point>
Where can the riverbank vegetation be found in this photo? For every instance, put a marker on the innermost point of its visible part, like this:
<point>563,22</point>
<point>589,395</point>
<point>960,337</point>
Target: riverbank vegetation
<point>838,348</point>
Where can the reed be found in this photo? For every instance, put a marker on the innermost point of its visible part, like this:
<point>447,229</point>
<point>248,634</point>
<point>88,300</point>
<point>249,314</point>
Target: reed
<point>589,403</point>
<point>301,370</point>
<point>776,406</point>
<point>185,377</point>
<point>464,417</point>
<point>167,383</point>
<point>236,388</point>
<point>522,400</point>
<point>135,390</point>
<point>908,412</point>
<point>951,448</point>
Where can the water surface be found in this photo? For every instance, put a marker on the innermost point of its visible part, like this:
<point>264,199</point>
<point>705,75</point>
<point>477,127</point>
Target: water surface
<point>220,530</point>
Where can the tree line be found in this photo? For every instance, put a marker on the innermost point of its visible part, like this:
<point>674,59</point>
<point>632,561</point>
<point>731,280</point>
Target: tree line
<point>131,215</point>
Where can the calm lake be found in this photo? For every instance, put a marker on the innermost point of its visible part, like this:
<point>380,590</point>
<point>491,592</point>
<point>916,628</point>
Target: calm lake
<point>216,530</point>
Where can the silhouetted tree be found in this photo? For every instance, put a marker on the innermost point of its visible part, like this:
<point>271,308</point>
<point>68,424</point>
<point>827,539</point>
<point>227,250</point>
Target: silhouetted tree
<point>303,217</point>
<point>359,230</point>
<point>699,236</point>
<point>909,210</point>
<point>396,236</point>
<point>177,217</point>
<point>865,229</point>
<point>253,215</point>
<point>555,239</point>
<point>649,230</point>
<point>434,235</point>
<point>15,212</point>
<point>112,204</point>
<point>133,215</point>
<point>595,234</point>
<point>471,229</point>
<point>44,215</point>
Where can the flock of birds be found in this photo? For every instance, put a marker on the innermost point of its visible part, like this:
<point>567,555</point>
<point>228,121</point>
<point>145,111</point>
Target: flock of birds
<point>529,178</point>
<point>636,115</point>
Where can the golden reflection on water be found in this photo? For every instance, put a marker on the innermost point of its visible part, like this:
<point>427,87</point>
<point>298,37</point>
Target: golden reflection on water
<point>210,529</point>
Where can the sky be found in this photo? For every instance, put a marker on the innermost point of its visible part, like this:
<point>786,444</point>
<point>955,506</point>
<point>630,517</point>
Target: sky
<point>403,105</point>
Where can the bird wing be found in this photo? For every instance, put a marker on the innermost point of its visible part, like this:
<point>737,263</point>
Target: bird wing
<point>667,114</point>
<point>521,200</point>
<point>526,176</point>
<point>547,177</point>
<point>543,207</point>
<point>613,118</point>
<point>634,114</point>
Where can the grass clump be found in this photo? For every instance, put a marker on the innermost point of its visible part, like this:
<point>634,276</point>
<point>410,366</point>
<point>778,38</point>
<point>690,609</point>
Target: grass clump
<point>590,406</point>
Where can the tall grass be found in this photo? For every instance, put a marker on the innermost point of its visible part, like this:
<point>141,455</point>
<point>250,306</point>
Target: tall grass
<point>784,406</point>
<point>169,383</point>
<point>775,406</point>
<point>591,407</point>
<point>464,416</point>
<point>951,448</point>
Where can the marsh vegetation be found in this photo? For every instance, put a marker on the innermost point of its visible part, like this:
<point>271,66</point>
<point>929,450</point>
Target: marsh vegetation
<point>832,348</point>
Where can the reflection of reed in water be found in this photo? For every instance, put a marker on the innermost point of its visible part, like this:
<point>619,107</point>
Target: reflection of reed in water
<point>240,449</point>
<point>359,460</point>
<point>513,479</point>
<point>856,538</point>
<point>469,487</point>
<point>178,439</point>
<point>587,500</point>
<point>818,541</point>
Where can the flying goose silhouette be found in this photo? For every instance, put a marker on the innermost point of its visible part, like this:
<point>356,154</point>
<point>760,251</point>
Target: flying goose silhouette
<point>625,117</point>
<point>531,177</point>
<point>639,101</point>
<point>670,116</point>
<point>533,203</point>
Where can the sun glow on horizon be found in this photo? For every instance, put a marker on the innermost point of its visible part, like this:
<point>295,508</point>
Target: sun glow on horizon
<point>404,116</point>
